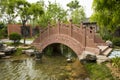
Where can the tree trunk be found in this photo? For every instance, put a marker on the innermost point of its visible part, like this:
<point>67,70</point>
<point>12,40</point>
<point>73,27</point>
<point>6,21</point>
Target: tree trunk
<point>24,40</point>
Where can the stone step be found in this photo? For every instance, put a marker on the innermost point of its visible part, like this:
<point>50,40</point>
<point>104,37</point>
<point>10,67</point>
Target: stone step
<point>103,48</point>
<point>107,52</point>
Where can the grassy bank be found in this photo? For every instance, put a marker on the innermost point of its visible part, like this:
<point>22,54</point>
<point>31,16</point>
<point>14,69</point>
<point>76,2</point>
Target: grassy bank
<point>98,72</point>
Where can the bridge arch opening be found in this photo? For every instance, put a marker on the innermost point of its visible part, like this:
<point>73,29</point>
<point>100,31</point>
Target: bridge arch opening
<point>58,49</point>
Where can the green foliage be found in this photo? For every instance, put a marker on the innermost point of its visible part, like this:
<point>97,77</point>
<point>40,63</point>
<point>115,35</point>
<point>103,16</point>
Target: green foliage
<point>76,12</point>
<point>8,10</point>
<point>116,62</point>
<point>3,30</point>
<point>11,9</point>
<point>73,4</point>
<point>106,36</point>
<point>98,72</point>
<point>2,25</point>
<point>78,15</point>
<point>27,11</point>
<point>48,51</point>
<point>116,41</point>
<point>53,12</point>
<point>15,37</point>
<point>18,52</point>
<point>107,14</point>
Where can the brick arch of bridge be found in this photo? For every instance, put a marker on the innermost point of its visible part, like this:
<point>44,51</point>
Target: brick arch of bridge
<point>63,39</point>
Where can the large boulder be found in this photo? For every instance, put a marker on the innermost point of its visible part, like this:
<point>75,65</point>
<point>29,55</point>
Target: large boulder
<point>9,50</point>
<point>87,56</point>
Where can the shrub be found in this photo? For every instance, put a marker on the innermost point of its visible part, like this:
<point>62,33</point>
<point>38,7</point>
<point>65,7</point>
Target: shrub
<point>107,37</point>
<point>116,62</point>
<point>15,37</point>
<point>116,41</point>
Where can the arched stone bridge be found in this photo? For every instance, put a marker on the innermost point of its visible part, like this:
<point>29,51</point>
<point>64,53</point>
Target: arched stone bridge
<point>78,37</point>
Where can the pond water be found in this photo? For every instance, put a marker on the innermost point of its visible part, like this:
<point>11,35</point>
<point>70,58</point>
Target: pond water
<point>115,53</point>
<point>50,68</point>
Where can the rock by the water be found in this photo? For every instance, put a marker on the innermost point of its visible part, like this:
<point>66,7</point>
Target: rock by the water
<point>2,54</point>
<point>29,52</point>
<point>109,43</point>
<point>6,57</point>
<point>38,55</point>
<point>88,56</point>
<point>9,50</point>
<point>69,60</point>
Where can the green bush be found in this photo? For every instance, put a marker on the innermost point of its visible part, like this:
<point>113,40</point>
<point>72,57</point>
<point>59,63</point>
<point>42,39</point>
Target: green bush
<point>107,37</point>
<point>15,37</point>
<point>116,41</point>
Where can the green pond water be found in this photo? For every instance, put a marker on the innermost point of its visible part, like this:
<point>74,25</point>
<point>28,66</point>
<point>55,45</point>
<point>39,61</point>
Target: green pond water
<point>50,68</point>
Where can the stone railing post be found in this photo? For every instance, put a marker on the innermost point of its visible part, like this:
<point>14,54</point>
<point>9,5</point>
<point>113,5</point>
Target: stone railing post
<point>71,27</point>
<point>84,41</point>
<point>48,29</point>
<point>58,26</point>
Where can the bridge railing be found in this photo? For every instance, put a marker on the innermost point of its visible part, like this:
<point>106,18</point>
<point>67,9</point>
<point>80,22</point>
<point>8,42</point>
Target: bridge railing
<point>61,28</point>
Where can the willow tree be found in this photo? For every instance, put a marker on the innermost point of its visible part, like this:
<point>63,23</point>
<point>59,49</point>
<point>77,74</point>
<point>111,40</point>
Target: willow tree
<point>107,14</point>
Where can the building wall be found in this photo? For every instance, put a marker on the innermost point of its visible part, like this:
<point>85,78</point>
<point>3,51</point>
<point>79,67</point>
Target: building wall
<point>16,28</point>
<point>11,28</point>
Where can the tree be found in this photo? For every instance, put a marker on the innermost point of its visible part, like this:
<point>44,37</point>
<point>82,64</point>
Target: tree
<point>52,13</point>
<point>76,11</point>
<point>27,11</point>
<point>73,5</point>
<point>3,30</point>
<point>107,14</point>
<point>15,37</point>
<point>8,10</point>
<point>78,15</point>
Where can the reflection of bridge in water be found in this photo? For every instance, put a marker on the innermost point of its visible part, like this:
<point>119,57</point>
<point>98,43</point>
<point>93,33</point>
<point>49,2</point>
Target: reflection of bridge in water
<point>79,38</point>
